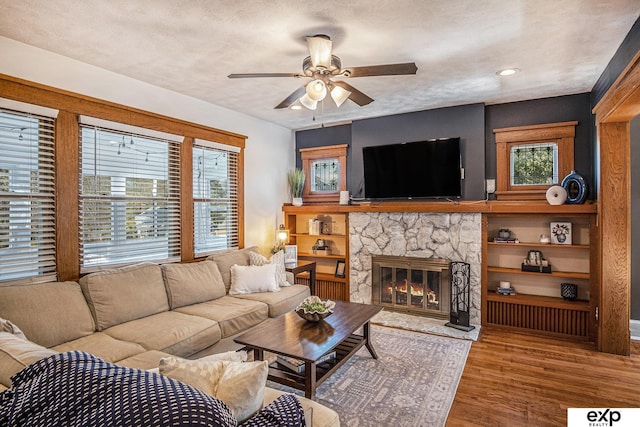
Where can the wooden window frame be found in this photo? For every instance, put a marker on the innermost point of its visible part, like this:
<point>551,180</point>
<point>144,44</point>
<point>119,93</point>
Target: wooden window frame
<point>562,134</point>
<point>309,155</point>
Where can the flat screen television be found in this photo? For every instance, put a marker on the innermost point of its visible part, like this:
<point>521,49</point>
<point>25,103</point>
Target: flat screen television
<point>422,169</point>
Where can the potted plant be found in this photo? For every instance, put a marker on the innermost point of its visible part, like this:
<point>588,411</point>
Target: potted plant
<point>296,184</point>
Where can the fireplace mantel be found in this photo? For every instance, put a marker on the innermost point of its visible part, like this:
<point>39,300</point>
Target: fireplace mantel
<point>478,206</point>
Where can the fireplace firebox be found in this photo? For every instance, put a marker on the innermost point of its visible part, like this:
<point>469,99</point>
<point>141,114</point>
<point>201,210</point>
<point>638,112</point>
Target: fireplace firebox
<point>410,284</point>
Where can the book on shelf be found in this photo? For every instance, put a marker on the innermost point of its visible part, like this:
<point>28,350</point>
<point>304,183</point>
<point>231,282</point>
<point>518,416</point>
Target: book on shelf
<point>297,365</point>
<point>505,240</point>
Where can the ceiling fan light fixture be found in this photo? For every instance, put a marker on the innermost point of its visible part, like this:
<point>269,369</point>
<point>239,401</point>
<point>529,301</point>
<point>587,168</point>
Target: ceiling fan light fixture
<point>339,95</point>
<point>307,102</point>
<point>296,107</point>
<point>320,51</point>
<point>316,90</point>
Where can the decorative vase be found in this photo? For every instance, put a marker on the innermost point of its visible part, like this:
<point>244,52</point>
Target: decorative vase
<point>576,188</point>
<point>569,291</point>
<point>296,201</point>
<point>556,195</point>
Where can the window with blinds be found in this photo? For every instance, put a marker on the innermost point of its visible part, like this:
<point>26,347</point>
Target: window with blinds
<point>27,197</point>
<point>129,198</point>
<point>215,196</point>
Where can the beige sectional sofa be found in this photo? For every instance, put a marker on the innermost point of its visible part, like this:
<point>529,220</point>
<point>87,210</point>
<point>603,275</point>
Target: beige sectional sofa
<point>138,314</point>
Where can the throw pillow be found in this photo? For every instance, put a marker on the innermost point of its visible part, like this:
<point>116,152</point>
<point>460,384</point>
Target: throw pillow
<point>239,385</point>
<point>7,326</point>
<point>277,259</point>
<point>248,279</point>
<point>284,411</point>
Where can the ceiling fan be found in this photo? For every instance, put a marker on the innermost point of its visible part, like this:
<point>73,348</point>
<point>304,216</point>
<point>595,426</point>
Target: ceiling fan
<point>321,66</point>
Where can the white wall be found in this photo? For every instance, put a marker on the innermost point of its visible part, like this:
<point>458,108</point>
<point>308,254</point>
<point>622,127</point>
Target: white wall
<point>270,149</point>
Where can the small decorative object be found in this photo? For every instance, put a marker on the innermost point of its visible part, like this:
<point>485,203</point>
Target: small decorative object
<point>576,187</point>
<point>296,179</point>
<point>504,233</point>
<point>460,296</point>
<point>315,227</point>
<point>505,284</point>
<point>506,291</point>
<point>291,254</point>
<point>544,239</point>
<point>341,267</point>
<point>556,195</point>
<point>314,309</point>
<point>344,197</point>
<point>321,247</point>
<point>569,291</point>
<point>561,233</point>
<point>535,262</point>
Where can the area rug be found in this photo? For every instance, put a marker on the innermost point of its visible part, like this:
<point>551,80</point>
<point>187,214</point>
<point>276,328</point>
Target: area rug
<point>412,383</point>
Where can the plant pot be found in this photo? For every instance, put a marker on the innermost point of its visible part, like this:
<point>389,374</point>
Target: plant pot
<point>296,201</point>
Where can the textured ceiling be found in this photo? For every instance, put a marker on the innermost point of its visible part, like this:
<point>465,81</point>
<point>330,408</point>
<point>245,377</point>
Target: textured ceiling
<point>190,46</point>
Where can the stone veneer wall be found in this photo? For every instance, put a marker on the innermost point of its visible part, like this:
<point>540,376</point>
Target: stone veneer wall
<point>452,236</point>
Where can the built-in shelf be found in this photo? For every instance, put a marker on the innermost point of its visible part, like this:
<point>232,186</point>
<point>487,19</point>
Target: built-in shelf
<point>539,245</point>
<point>312,255</point>
<point>539,300</point>
<point>564,274</point>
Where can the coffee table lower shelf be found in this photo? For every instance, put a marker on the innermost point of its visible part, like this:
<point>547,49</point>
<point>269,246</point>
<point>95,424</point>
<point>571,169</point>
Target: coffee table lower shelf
<point>308,383</point>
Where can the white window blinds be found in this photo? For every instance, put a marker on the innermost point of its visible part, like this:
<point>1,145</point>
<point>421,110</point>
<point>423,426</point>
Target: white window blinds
<point>129,198</point>
<point>27,197</point>
<point>215,195</point>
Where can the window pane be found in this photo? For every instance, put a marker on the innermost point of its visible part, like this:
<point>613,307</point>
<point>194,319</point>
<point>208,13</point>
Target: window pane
<point>534,164</point>
<point>324,175</point>
<point>27,194</point>
<point>215,193</point>
<point>129,198</point>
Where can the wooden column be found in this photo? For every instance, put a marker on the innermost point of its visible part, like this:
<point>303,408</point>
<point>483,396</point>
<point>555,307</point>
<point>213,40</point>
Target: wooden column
<point>614,208</point>
<point>67,187</point>
<point>186,200</point>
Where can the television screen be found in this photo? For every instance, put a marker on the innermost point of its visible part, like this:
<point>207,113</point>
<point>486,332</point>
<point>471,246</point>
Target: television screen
<point>414,169</point>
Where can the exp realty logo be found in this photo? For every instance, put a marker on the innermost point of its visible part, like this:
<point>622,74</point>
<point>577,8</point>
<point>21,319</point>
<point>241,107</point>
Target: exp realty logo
<point>603,417</point>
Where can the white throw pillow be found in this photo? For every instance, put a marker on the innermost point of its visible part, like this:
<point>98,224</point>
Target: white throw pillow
<point>249,279</point>
<point>239,385</point>
<point>277,259</point>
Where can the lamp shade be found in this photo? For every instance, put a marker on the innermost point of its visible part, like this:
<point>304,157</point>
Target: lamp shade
<point>339,95</point>
<point>316,90</point>
<point>320,51</point>
<point>282,236</point>
<point>308,102</point>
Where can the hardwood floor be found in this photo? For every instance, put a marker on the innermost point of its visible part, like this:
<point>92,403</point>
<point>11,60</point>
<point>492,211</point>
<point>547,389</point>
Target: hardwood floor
<point>513,379</point>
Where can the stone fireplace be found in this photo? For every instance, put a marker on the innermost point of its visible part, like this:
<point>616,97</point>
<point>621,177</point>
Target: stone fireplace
<point>413,285</point>
<point>449,236</point>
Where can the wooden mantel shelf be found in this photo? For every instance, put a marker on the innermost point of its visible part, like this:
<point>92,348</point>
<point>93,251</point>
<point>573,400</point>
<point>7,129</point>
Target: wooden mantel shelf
<point>481,206</point>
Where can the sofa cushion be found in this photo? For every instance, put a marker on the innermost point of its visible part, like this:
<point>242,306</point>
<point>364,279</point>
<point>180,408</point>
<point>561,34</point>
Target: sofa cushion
<point>227,259</point>
<point>247,279</point>
<point>280,302</point>
<point>148,360</point>
<point>48,313</point>
<point>171,332</point>
<point>234,315</point>
<point>191,283</point>
<point>17,353</point>
<point>122,294</point>
<point>103,346</point>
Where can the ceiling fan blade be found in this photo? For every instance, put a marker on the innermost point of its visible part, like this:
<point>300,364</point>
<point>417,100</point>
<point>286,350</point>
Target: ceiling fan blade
<point>252,75</point>
<point>356,96</point>
<point>383,70</point>
<point>320,50</point>
<point>291,98</point>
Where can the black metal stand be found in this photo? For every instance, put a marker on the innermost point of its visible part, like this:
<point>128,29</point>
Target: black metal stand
<point>460,296</point>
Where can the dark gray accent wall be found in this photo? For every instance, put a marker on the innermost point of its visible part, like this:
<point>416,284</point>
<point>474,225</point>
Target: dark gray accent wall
<point>466,122</point>
<point>635,218</point>
<point>625,53</point>
<point>547,110</point>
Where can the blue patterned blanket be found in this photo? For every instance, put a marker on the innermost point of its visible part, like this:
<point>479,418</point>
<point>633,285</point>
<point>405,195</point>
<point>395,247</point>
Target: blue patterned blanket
<point>79,389</point>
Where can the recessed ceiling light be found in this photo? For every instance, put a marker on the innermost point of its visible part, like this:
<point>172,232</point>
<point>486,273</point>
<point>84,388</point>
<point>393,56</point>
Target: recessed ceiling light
<point>296,107</point>
<point>508,71</point>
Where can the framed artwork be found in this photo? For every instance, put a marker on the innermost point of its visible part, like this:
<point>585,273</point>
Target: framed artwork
<point>290,254</point>
<point>341,267</point>
<point>561,233</point>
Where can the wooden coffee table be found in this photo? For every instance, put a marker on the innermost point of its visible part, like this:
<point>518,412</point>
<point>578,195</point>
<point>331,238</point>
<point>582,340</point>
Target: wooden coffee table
<point>292,336</point>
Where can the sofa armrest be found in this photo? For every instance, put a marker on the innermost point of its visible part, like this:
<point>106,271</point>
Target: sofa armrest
<point>316,415</point>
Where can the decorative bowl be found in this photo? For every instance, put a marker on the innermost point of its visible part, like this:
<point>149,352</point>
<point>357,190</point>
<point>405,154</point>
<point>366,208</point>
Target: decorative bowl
<point>313,309</point>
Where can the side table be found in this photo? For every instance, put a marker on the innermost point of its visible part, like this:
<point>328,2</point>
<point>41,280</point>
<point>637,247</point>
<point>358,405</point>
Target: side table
<point>302,266</point>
